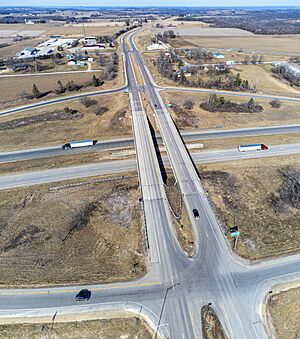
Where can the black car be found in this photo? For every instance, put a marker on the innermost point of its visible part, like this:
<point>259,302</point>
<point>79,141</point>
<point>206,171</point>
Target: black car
<point>83,295</point>
<point>196,213</point>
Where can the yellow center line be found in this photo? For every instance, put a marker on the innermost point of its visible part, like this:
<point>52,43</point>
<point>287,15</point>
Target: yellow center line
<point>75,291</point>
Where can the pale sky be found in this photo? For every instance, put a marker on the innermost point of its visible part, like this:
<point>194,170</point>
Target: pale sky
<point>199,3</point>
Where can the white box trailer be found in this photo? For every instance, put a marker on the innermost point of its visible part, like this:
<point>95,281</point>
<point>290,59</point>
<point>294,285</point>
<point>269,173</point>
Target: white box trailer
<point>252,147</point>
<point>76,144</point>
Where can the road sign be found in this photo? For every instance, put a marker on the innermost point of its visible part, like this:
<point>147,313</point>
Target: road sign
<point>235,234</point>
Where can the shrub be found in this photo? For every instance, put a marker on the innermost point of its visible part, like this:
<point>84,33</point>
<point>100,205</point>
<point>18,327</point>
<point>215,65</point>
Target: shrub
<point>189,104</point>
<point>275,103</point>
<point>88,102</point>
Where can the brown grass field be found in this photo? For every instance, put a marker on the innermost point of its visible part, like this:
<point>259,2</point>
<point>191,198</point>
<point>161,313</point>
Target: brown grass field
<point>241,192</point>
<point>143,39</point>
<point>84,234</point>
<point>12,88</point>
<point>117,328</point>
<point>199,118</point>
<point>284,311</point>
<point>270,43</point>
<point>261,76</point>
<point>115,121</point>
<point>104,28</point>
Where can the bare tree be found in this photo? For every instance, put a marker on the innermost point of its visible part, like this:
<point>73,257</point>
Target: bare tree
<point>189,104</point>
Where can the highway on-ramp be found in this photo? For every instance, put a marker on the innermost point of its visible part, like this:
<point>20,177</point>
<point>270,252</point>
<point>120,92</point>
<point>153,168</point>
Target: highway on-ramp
<point>172,294</point>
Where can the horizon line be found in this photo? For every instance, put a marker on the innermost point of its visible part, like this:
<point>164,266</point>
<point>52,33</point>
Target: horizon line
<point>169,6</point>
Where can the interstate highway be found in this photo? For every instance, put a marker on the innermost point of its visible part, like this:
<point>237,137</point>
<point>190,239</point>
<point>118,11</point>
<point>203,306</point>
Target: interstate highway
<point>43,152</point>
<point>129,165</point>
<point>171,295</point>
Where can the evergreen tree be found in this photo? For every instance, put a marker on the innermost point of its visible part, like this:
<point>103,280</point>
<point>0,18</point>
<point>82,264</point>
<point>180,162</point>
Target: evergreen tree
<point>251,104</point>
<point>95,81</point>
<point>237,80</point>
<point>35,92</point>
<point>182,78</point>
<point>61,88</point>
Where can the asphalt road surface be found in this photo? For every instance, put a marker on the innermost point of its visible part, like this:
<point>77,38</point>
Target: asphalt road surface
<point>123,166</point>
<point>44,152</point>
<point>171,295</point>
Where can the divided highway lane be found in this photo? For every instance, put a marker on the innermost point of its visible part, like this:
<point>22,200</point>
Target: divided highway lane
<point>45,152</point>
<point>206,228</point>
<point>165,250</point>
<point>36,153</point>
<point>129,165</point>
<point>66,173</point>
<point>214,261</point>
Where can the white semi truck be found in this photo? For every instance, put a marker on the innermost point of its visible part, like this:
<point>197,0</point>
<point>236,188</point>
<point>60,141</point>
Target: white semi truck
<point>252,147</point>
<point>76,144</point>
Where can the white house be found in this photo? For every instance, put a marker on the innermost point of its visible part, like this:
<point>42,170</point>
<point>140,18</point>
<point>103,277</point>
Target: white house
<point>72,63</point>
<point>76,63</point>
<point>28,52</point>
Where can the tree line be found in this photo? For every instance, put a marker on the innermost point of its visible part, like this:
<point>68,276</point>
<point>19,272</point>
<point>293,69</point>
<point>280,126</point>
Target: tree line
<point>217,80</point>
<point>289,72</point>
<point>109,73</point>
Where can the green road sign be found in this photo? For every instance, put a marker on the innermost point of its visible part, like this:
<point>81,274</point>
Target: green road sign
<point>235,234</point>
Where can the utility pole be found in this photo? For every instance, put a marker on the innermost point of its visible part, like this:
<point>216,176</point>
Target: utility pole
<point>53,319</point>
<point>162,308</point>
<point>83,28</point>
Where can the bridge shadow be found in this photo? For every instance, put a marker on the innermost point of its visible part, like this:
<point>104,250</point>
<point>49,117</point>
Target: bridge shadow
<point>158,153</point>
<point>192,161</point>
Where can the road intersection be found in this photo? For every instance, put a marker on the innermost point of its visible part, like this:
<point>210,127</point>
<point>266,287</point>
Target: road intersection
<point>176,287</point>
